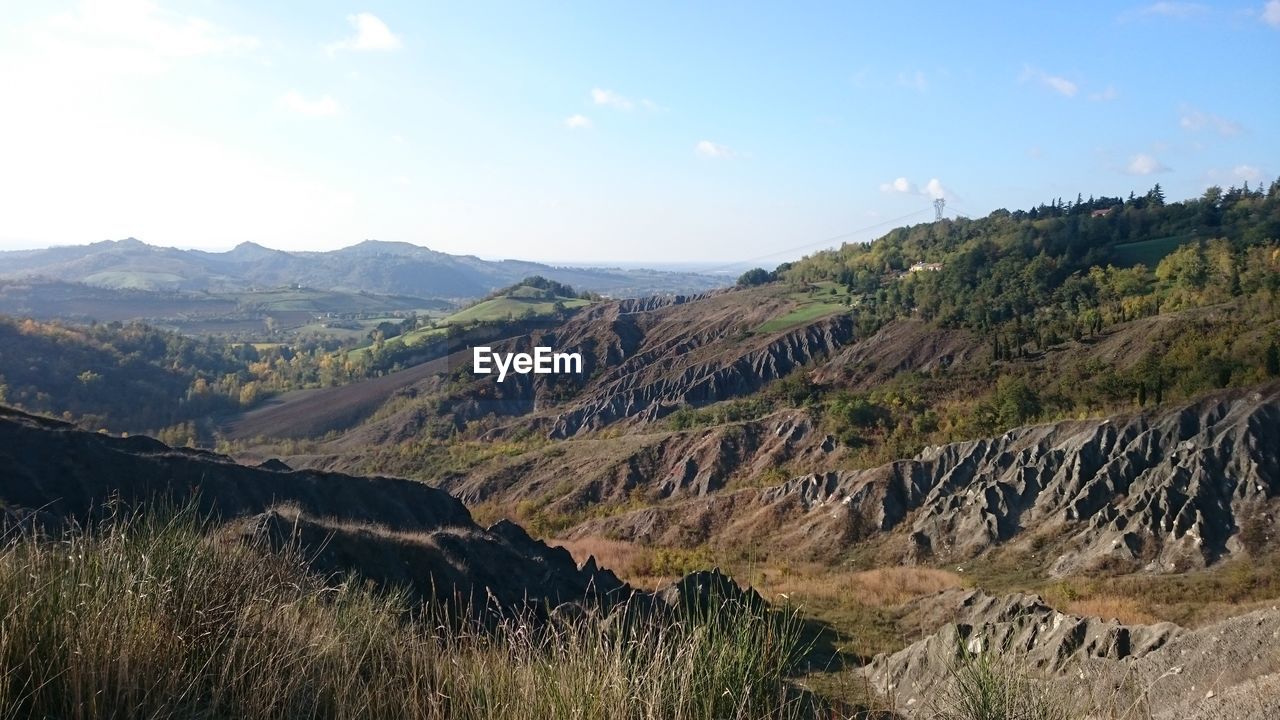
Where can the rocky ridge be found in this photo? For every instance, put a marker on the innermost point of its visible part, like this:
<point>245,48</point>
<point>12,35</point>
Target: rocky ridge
<point>691,463</point>
<point>1162,492</point>
<point>396,532</point>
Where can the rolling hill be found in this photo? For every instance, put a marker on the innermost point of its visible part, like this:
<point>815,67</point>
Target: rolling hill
<point>386,268</point>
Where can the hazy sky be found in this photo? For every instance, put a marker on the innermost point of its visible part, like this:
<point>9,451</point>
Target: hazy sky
<point>609,131</point>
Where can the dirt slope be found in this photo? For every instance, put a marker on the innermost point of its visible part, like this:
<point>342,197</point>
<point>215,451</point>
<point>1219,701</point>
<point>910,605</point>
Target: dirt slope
<point>658,465</point>
<point>1162,493</point>
<point>396,532</point>
<point>642,359</point>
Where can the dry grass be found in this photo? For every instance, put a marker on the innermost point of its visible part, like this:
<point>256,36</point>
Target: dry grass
<point>1113,607</point>
<point>882,587</point>
<point>150,618</point>
<point>628,560</point>
<point>1193,599</point>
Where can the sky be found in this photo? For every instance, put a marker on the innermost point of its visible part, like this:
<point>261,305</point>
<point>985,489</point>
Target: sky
<point>591,132</point>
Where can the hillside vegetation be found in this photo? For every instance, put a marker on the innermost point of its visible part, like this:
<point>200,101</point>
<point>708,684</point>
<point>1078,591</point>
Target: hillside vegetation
<point>532,299</point>
<point>888,360</point>
<point>1026,279</point>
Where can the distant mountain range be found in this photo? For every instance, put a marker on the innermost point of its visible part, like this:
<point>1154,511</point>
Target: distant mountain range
<point>390,268</point>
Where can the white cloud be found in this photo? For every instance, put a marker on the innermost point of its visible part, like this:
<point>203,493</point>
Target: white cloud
<point>933,189</point>
<point>295,102</point>
<point>1271,13</point>
<point>1143,164</point>
<point>618,101</point>
<point>371,34</point>
<point>1247,173</point>
<point>900,185</point>
<point>1060,85</point>
<point>578,122</point>
<point>706,148</point>
<point>1057,83</point>
<point>914,80</point>
<point>1192,119</point>
<point>129,37</point>
<point>600,96</point>
<point>1106,95</point>
<point>1236,176</point>
<point>1179,10</point>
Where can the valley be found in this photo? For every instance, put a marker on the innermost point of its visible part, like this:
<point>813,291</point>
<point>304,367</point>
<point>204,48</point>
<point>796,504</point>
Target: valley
<point>1096,452</point>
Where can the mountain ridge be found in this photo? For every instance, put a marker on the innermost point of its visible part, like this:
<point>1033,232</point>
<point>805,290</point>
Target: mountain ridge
<point>376,266</point>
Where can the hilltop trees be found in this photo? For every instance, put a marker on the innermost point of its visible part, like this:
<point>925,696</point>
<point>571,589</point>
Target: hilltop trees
<point>1032,278</point>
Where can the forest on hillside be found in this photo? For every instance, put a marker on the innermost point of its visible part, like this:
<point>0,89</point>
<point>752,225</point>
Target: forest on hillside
<point>1062,267</point>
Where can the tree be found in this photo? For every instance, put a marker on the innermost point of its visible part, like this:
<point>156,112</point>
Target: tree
<point>1156,196</point>
<point>1016,402</point>
<point>1272,362</point>
<point>755,276</point>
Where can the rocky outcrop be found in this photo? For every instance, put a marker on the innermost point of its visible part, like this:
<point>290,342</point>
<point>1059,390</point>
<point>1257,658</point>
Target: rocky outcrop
<point>653,302</point>
<point>399,533</point>
<point>1160,492</point>
<point>1018,627</point>
<point>690,463</point>
<point>501,566</point>
<point>1095,667</point>
<point>642,396</point>
<point>704,590</point>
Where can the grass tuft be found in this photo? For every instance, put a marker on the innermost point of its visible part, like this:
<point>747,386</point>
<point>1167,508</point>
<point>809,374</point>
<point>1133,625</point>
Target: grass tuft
<point>156,617</point>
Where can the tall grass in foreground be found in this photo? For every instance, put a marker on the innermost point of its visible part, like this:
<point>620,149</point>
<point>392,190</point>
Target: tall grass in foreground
<point>984,686</point>
<point>153,618</point>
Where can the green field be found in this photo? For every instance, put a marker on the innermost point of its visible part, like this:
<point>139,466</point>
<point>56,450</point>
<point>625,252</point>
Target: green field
<point>1147,252</point>
<point>810,305</point>
<point>409,339</point>
<point>329,301</point>
<point>135,280</point>
<point>345,333</point>
<point>510,307</point>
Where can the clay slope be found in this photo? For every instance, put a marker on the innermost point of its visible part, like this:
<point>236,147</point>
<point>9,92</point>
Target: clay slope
<point>397,532</point>
<point>1096,666</point>
<point>651,466</point>
<point>697,354</point>
<point>641,360</point>
<point>1161,492</point>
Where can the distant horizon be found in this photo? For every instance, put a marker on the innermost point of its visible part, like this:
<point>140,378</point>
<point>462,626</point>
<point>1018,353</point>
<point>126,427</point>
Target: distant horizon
<point>709,266</point>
